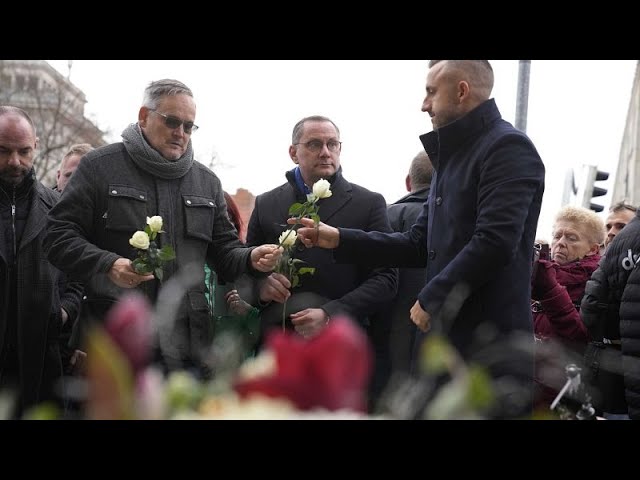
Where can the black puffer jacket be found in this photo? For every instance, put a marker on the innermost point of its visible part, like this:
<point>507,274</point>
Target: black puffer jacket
<point>630,320</point>
<point>609,312</point>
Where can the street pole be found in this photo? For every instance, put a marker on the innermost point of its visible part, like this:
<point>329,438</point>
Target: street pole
<point>523,95</point>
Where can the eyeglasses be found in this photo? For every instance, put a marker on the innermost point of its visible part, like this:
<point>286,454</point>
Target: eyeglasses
<point>316,145</point>
<point>174,122</point>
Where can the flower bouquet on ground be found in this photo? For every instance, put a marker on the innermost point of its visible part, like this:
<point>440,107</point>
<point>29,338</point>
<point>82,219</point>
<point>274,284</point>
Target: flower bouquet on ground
<point>150,258</point>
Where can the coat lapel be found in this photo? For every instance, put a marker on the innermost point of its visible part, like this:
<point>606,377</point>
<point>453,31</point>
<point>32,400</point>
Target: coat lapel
<point>341,196</point>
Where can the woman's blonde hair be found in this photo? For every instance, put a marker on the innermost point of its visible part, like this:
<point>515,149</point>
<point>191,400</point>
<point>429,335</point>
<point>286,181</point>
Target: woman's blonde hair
<point>584,219</point>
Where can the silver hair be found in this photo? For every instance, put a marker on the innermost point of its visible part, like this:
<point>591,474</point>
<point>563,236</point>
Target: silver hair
<point>161,88</point>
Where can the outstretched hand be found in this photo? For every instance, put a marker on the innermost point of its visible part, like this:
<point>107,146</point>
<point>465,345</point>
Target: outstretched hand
<point>316,235</point>
<point>264,258</point>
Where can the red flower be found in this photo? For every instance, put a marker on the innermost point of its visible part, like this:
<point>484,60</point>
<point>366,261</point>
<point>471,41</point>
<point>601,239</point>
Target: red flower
<point>330,370</point>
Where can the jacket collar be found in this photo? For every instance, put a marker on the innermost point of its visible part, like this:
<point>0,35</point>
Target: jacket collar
<point>335,179</point>
<point>447,139</point>
<point>419,196</point>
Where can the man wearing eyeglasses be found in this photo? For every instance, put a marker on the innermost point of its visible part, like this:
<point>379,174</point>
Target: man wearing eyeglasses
<point>475,234</point>
<point>333,289</point>
<point>113,192</point>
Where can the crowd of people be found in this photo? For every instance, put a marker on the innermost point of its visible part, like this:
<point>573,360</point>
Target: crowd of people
<point>454,257</point>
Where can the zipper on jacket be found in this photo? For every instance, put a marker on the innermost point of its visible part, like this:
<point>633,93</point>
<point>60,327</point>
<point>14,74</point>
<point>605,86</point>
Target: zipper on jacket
<point>13,226</point>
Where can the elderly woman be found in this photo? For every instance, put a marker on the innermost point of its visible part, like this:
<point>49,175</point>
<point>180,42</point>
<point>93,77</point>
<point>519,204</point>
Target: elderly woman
<point>557,288</point>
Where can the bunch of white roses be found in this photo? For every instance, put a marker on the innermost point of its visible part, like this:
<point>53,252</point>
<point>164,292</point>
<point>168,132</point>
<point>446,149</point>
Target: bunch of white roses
<point>289,266</point>
<point>150,258</point>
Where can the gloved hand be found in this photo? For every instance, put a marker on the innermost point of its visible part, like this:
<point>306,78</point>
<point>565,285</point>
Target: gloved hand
<point>544,279</point>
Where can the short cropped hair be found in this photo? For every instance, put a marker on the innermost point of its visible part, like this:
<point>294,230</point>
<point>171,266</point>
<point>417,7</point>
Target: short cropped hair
<point>622,205</point>
<point>78,149</point>
<point>421,171</point>
<point>11,110</point>
<point>478,73</point>
<point>299,127</point>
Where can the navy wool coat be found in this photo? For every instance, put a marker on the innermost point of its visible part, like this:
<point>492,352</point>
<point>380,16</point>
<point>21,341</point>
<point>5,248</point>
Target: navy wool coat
<point>475,235</point>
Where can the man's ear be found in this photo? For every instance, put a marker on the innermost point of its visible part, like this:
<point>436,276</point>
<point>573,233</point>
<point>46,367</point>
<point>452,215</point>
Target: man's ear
<point>143,113</point>
<point>407,182</point>
<point>293,153</point>
<point>463,90</point>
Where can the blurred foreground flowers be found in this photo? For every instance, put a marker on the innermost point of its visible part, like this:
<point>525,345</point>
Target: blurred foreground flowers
<point>323,377</point>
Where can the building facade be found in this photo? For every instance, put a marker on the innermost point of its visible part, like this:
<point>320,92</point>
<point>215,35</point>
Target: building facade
<point>627,182</point>
<point>56,107</point>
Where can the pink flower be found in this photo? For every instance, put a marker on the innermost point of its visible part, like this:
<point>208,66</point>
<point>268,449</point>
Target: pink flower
<point>129,325</point>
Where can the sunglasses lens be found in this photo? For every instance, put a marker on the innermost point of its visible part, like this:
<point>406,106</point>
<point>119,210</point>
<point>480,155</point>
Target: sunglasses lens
<point>172,122</point>
<point>187,127</point>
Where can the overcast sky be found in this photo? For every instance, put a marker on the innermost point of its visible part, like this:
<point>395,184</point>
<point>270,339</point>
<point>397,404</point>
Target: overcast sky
<point>246,110</point>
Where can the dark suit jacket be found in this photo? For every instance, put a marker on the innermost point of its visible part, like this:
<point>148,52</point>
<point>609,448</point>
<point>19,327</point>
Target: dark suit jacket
<point>358,291</point>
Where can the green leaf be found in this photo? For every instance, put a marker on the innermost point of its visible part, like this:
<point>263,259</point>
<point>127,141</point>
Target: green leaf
<point>296,208</point>
<point>309,270</point>
<point>295,281</point>
<point>315,217</point>
<point>158,273</point>
<point>140,266</point>
<point>166,253</point>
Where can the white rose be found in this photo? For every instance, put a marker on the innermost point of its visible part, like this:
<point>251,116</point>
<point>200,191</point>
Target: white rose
<point>155,223</point>
<point>140,240</point>
<point>288,238</point>
<point>322,189</point>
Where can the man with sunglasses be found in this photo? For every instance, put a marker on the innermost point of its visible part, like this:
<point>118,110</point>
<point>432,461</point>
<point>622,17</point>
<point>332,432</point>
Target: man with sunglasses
<point>113,192</point>
<point>332,289</point>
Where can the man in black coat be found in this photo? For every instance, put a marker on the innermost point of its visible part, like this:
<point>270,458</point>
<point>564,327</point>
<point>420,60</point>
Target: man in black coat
<point>475,234</point>
<point>402,215</point>
<point>357,291</point>
<point>35,299</point>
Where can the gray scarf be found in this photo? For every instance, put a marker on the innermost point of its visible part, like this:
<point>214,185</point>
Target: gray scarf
<point>148,159</point>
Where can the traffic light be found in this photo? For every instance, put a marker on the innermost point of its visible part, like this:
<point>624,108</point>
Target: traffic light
<point>589,190</point>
